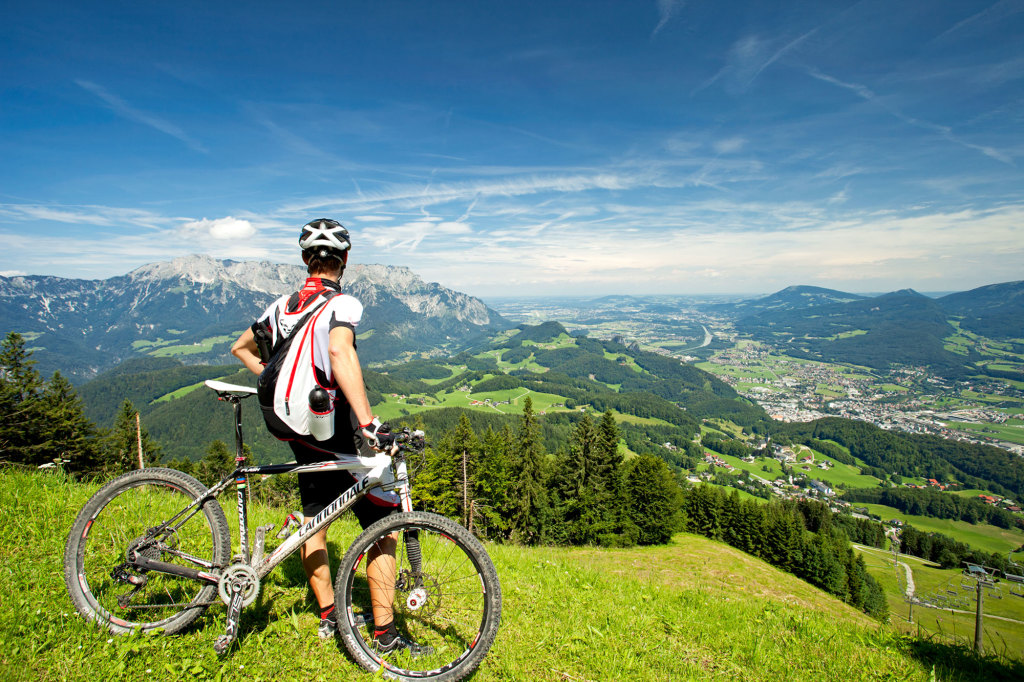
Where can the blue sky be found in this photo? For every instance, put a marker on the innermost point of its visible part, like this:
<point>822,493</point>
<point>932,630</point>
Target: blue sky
<point>523,148</point>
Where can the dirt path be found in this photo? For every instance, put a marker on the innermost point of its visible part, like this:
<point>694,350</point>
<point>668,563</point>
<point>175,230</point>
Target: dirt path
<point>910,574</point>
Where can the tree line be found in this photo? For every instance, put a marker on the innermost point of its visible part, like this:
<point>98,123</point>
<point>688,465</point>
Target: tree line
<point>42,422</point>
<point>945,551</point>
<point>927,502</point>
<point>503,484</point>
<point>798,537</point>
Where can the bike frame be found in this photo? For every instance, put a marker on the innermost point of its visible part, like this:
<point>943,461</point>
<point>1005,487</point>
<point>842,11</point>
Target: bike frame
<point>387,472</point>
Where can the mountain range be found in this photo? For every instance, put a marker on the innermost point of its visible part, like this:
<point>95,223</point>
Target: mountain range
<point>193,307</point>
<point>903,326</point>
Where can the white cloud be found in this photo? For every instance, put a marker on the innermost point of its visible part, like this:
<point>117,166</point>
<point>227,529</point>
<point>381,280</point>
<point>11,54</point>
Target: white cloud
<point>449,227</point>
<point>12,273</point>
<point>122,108</point>
<point>220,229</point>
<point>730,145</point>
<point>945,132</point>
<point>666,10</point>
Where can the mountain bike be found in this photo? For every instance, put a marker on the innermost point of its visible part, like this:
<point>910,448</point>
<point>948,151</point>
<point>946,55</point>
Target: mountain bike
<point>152,550</point>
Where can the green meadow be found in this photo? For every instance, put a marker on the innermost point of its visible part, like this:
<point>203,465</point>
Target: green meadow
<point>691,610</point>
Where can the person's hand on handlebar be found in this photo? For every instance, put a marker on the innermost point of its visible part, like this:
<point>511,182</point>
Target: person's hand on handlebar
<point>378,436</point>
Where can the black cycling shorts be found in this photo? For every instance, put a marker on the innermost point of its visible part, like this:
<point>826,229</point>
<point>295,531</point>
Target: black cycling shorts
<point>319,489</point>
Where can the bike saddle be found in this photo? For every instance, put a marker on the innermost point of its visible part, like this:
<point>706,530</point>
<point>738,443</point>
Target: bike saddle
<point>225,390</point>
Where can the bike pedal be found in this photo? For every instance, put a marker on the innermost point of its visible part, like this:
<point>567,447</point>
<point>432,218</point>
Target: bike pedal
<point>222,643</point>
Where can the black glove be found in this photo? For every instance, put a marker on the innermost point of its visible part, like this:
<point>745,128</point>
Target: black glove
<point>378,436</point>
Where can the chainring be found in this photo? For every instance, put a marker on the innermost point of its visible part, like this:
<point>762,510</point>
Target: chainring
<point>245,578</point>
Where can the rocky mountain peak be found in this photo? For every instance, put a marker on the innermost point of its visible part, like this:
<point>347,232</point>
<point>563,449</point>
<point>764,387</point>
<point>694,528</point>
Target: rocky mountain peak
<point>188,306</point>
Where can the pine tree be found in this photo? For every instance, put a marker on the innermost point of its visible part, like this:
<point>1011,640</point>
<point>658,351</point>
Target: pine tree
<point>653,499</point>
<point>529,499</point>
<point>703,511</point>
<point>609,463</point>
<point>66,434</point>
<point>22,412</point>
<point>491,483</point>
<point>439,485</point>
<point>217,463</point>
<point>121,444</point>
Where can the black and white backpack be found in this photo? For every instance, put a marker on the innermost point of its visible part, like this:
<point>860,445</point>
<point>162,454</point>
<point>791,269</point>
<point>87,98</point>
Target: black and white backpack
<point>290,374</point>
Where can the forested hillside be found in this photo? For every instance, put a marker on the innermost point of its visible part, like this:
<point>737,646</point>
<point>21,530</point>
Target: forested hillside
<point>920,455</point>
<point>902,327</point>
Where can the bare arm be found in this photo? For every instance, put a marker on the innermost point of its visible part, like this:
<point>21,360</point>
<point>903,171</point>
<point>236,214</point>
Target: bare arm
<point>245,350</point>
<point>347,372</point>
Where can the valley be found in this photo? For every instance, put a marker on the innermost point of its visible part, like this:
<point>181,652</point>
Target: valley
<point>983,406</point>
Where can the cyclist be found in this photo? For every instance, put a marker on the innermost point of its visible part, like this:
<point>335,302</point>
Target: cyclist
<point>325,248</point>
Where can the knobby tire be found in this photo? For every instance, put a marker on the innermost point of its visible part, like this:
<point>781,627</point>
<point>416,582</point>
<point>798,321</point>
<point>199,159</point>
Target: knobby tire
<point>449,599</point>
<point>122,515</point>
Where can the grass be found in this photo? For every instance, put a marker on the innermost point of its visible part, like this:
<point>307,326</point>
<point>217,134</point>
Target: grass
<point>847,475</point>
<point>204,346</point>
<point>693,609</point>
<point>1012,431</point>
<point>840,473</point>
<point>1003,623</point>
<point>980,536</point>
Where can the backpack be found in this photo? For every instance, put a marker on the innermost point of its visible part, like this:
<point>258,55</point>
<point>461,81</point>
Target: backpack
<point>284,385</point>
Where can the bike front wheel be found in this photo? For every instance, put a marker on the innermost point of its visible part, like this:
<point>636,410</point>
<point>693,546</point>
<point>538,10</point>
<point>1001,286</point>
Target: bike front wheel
<point>127,517</point>
<point>441,590</point>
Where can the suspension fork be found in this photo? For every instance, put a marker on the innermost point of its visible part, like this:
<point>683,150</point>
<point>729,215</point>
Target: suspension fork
<point>412,537</point>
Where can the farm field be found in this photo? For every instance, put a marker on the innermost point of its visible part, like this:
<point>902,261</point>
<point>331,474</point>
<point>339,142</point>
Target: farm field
<point>1012,430</point>
<point>981,536</point>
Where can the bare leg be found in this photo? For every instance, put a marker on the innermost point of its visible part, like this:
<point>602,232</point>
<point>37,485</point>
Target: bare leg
<point>314,560</point>
<point>380,573</point>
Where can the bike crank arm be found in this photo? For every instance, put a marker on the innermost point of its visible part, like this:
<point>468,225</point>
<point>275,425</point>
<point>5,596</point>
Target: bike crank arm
<point>234,615</point>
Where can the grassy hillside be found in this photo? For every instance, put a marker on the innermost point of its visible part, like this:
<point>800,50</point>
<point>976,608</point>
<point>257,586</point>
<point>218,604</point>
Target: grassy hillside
<point>980,535</point>
<point>1004,617</point>
<point>694,609</point>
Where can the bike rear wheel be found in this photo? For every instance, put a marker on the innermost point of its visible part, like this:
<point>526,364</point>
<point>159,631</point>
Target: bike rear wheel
<point>447,597</point>
<point>123,518</point>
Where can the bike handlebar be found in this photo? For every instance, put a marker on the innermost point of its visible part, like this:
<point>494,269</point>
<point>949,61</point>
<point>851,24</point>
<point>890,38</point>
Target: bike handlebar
<point>408,440</point>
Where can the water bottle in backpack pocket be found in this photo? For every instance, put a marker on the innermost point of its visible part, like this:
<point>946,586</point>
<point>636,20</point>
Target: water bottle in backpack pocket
<point>320,419</point>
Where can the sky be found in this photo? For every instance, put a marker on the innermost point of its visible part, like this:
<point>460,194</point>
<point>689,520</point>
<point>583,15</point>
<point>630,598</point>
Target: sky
<point>523,148</point>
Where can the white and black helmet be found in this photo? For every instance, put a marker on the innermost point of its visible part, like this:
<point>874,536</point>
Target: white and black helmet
<point>325,237</point>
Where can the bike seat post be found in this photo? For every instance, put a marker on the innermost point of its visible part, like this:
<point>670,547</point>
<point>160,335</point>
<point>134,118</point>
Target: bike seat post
<point>236,403</point>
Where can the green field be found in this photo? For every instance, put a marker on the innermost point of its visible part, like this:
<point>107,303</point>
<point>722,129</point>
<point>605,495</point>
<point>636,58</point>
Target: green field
<point>1004,618</point>
<point>393,408</point>
<point>840,474</point>
<point>847,475</point>
<point>1011,431</point>
<point>204,346</point>
<point>980,536</point>
<point>691,610</point>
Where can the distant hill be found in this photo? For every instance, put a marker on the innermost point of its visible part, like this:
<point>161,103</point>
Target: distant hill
<point>142,381</point>
<point>794,298</point>
<point>903,327</point>
<point>544,332</point>
<point>995,311</point>
<point>191,308</point>
<point>899,327</point>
